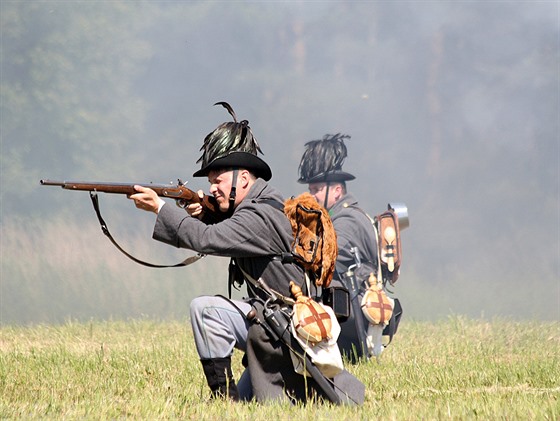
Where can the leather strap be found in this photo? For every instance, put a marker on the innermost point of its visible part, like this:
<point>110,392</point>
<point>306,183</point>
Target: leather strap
<point>186,262</point>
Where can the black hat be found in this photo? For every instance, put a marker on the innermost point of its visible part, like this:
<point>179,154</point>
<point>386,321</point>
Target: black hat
<point>232,145</point>
<point>322,160</point>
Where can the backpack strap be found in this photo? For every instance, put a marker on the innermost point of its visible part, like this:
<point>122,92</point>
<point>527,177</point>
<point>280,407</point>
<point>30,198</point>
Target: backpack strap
<point>274,203</point>
<point>287,256</point>
<point>379,273</point>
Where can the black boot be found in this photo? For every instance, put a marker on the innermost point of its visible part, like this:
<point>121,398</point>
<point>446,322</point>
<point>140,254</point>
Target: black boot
<point>220,378</point>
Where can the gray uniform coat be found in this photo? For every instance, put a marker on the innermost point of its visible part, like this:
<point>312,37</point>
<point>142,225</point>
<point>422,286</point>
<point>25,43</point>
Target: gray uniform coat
<point>353,229</point>
<point>252,235</point>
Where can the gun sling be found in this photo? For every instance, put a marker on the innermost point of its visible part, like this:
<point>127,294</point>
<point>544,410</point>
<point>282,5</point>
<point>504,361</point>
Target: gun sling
<point>95,200</point>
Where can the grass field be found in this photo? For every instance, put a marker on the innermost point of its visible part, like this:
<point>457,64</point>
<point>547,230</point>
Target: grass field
<point>143,369</point>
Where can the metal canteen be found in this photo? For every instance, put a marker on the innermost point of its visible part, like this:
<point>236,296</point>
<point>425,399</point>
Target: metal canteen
<point>401,211</point>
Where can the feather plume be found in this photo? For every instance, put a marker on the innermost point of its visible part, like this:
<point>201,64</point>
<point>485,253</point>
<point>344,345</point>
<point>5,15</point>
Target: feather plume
<point>323,156</point>
<point>228,107</point>
<point>228,137</point>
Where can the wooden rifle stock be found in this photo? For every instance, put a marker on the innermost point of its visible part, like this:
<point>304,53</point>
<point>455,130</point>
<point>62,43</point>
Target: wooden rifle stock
<point>183,195</point>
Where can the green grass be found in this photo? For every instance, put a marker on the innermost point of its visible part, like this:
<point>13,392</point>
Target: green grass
<point>144,369</point>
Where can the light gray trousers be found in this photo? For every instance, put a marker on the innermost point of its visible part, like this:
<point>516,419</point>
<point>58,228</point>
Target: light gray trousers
<point>218,328</point>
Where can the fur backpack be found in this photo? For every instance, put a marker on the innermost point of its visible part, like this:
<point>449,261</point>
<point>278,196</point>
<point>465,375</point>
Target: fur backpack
<point>314,245</point>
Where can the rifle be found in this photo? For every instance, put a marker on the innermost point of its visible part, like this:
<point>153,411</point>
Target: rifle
<point>183,195</point>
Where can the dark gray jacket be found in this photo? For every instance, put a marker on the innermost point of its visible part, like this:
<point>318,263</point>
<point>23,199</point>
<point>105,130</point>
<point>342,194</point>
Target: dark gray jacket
<point>252,235</point>
<point>353,229</point>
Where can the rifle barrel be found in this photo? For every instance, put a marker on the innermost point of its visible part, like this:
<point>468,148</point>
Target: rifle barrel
<point>119,188</point>
<point>51,183</point>
<point>178,192</point>
<point>86,185</point>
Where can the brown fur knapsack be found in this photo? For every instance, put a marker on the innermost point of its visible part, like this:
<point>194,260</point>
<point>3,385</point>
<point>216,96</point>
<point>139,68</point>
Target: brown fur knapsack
<point>314,245</point>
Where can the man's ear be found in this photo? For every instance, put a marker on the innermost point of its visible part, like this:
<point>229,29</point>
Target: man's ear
<point>244,177</point>
<point>339,191</point>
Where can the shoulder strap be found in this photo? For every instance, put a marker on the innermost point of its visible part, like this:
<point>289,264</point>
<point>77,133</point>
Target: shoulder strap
<point>375,236</point>
<point>274,203</point>
<point>287,256</point>
<point>95,201</point>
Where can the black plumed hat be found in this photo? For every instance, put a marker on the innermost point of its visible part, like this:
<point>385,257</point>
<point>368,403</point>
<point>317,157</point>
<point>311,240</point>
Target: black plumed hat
<point>322,160</point>
<point>232,145</point>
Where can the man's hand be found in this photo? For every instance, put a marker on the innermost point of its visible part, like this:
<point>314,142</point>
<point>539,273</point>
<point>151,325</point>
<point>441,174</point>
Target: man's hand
<point>147,199</point>
<point>196,209</point>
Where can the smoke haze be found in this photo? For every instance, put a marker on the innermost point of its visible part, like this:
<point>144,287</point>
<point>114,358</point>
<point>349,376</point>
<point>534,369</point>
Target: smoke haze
<point>452,108</point>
